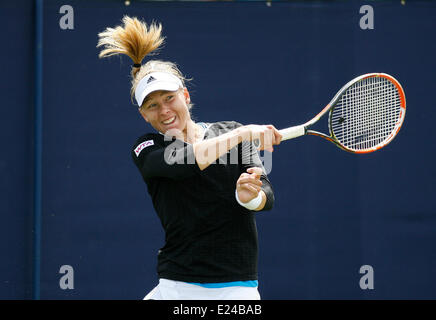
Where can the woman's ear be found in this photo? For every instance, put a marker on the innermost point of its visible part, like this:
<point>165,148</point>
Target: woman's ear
<point>186,94</point>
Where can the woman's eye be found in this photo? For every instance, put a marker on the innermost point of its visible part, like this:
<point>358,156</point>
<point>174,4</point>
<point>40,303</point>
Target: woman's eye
<point>152,105</point>
<point>170,97</point>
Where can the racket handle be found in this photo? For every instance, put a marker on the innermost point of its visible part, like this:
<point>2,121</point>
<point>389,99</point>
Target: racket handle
<point>293,132</point>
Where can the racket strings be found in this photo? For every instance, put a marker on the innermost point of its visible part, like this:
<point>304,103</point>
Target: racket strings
<point>366,120</point>
<point>367,114</point>
<point>370,120</point>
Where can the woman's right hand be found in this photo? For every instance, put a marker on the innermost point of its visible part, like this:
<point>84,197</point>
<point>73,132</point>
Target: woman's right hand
<point>263,136</point>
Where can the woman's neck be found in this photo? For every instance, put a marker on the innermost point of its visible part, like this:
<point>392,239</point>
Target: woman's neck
<point>193,132</point>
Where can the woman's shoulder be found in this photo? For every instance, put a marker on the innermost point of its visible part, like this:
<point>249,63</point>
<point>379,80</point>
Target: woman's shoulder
<point>223,125</point>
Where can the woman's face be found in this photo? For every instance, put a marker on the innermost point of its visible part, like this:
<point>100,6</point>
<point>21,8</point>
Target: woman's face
<point>166,110</point>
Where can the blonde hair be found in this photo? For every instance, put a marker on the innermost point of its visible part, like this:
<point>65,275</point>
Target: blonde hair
<point>136,39</point>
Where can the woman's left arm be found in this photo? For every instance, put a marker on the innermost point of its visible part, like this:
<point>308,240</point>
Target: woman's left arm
<point>253,181</point>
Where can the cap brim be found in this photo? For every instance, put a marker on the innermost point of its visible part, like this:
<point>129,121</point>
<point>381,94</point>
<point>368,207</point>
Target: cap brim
<point>156,86</point>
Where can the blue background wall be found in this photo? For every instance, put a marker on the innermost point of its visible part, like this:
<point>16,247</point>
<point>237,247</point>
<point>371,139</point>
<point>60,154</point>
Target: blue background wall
<point>251,63</point>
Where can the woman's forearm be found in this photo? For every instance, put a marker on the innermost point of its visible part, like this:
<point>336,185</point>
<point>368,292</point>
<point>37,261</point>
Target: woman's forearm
<point>208,151</point>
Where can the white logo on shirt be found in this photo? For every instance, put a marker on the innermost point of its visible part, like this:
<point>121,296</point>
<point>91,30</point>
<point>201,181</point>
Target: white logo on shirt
<point>142,146</point>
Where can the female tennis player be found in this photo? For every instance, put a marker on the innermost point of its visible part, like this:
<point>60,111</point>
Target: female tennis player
<point>205,180</point>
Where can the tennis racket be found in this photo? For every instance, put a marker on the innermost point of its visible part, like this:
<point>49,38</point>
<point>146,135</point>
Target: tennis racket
<point>364,116</point>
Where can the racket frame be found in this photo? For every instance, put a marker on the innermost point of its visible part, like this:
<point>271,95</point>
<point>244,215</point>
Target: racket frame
<point>293,132</point>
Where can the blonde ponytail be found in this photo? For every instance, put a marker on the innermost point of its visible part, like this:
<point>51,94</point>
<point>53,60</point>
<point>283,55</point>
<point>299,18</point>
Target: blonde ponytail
<point>137,40</point>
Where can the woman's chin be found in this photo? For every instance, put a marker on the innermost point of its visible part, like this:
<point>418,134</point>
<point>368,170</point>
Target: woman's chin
<point>172,130</point>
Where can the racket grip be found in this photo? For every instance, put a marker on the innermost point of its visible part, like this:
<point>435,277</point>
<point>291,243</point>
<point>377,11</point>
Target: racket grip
<point>293,132</point>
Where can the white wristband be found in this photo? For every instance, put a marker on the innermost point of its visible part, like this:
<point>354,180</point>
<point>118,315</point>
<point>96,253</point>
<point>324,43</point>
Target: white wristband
<point>252,204</point>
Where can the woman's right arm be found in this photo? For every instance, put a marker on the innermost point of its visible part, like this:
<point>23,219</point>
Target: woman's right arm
<point>178,161</point>
<point>208,151</point>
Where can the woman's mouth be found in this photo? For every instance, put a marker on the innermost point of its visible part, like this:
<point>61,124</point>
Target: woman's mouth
<point>169,121</point>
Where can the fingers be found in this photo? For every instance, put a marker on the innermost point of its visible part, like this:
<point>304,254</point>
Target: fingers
<point>253,174</point>
<point>252,183</point>
<point>277,135</point>
<point>262,138</point>
<point>265,136</point>
<point>251,188</point>
<point>249,184</point>
<point>251,180</point>
<point>256,170</point>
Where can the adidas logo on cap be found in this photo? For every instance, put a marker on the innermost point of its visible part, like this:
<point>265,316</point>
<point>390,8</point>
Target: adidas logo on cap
<point>150,79</point>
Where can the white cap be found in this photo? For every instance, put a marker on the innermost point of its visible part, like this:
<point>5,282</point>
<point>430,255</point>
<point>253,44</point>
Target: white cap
<point>156,81</point>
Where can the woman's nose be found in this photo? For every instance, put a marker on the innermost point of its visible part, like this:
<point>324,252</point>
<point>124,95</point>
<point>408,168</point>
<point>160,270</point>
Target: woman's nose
<point>164,109</point>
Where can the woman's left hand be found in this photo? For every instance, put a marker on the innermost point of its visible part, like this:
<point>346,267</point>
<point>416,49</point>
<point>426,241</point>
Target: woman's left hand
<point>249,184</point>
